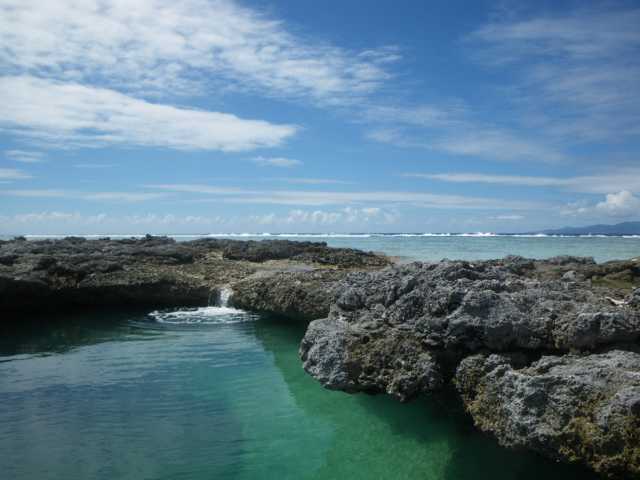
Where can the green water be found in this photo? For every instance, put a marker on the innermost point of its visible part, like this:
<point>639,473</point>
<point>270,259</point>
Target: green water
<point>216,395</point>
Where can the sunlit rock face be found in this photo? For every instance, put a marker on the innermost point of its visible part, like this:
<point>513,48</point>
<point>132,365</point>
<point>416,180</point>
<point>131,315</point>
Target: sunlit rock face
<point>404,331</point>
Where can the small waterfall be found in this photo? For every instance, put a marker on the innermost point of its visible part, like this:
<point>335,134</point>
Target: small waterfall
<point>224,294</point>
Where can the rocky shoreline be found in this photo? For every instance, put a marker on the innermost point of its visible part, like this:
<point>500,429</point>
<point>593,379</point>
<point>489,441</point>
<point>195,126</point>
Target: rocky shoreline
<point>544,355</point>
<point>75,272</point>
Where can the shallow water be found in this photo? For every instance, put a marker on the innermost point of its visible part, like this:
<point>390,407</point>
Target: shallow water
<point>215,394</point>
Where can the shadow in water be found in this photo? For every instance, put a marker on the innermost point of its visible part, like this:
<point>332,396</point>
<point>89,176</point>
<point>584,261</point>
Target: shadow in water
<point>51,333</point>
<point>377,436</point>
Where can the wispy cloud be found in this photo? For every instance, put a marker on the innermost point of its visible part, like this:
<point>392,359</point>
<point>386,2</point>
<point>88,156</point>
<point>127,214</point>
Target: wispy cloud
<point>604,182</point>
<point>73,114</point>
<point>512,218</point>
<point>181,47</point>
<point>345,216</point>
<point>493,144</point>
<point>280,162</point>
<point>13,174</point>
<point>309,181</point>
<point>320,198</point>
<point>124,197</point>
<point>585,65</point>
<point>451,129</point>
<point>94,166</point>
<point>53,221</point>
<point>24,156</point>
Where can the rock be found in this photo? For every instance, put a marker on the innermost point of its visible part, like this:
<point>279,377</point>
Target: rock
<point>468,307</point>
<point>302,296</point>
<point>410,329</point>
<point>309,252</point>
<point>572,408</point>
<point>158,271</point>
<point>355,359</point>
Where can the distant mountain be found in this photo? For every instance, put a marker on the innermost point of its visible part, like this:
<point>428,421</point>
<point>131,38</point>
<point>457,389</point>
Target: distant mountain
<point>626,228</point>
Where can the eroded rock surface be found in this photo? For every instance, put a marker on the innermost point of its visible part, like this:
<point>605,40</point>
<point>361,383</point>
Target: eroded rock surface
<point>404,330</point>
<point>453,309</point>
<point>300,295</point>
<point>71,272</point>
<point>571,408</point>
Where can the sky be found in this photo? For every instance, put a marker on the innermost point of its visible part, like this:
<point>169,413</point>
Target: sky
<point>214,116</point>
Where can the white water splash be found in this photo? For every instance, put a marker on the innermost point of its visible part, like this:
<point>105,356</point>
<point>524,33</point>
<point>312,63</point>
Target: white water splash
<point>218,314</point>
<point>203,316</point>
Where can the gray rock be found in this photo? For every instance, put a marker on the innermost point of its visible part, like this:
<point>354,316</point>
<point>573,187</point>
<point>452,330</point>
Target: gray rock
<point>354,358</point>
<point>467,307</point>
<point>158,271</point>
<point>301,295</point>
<point>403,330</point>
<point>571,408</point>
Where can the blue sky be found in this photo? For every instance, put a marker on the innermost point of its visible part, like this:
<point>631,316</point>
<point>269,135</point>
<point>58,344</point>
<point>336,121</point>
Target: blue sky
<point>301,116</point>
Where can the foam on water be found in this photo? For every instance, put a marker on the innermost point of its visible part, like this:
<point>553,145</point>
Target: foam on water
<point>203,316</point>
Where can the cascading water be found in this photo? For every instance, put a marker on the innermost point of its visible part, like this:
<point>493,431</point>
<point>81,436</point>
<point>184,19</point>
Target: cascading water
<point>218,313</point>
<point>224,295</point>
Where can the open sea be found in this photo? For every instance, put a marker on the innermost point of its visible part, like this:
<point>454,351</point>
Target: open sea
<point>217,393</point>
<point>437,246</point>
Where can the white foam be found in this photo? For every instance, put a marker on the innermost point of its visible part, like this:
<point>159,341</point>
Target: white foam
<point>202,315</point>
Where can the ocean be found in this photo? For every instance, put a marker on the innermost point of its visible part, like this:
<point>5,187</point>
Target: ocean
<point>437,246</point>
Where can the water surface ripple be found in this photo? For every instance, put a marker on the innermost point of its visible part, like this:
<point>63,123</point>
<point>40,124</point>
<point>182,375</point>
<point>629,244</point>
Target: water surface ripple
<point>215,394</point>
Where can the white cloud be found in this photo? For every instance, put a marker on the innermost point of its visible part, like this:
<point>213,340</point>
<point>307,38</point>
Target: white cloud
<point>124,197</point>
<point>70,113</point>
<point>420,115</point>
<point>343,216</point>
<point>450,129</point>
<point>604,182</point>
<point>493,144</point>
<point>276,162</point>
<point>24,156</point>
<point>508,217</point>
<point>622,204</point>
<point>310,181</point>
<point>13,174</point>
<point>92,166</point>
<point>320,198</point>
<point>584,66</point>
<point>178,47</point>
<point>492,179</point>
<point>59,222</point>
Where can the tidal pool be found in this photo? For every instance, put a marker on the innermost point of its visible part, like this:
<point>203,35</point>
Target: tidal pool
<point>215,393</point>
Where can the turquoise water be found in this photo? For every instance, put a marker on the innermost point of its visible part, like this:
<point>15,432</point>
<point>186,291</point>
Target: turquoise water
<point>480,247</point>
<point>215,394</point>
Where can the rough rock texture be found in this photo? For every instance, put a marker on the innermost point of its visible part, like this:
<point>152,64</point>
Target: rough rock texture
<point>457,308</point>
<point>405,329</point>
<point>572,408</point>
<point>352,358</point>
<point>301,295</point>
<point>71,272</point>
<point>308,252</point>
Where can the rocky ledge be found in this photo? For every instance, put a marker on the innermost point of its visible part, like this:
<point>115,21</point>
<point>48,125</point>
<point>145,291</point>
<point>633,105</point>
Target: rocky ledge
<point>543,353</point>
<point>75,272</point>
